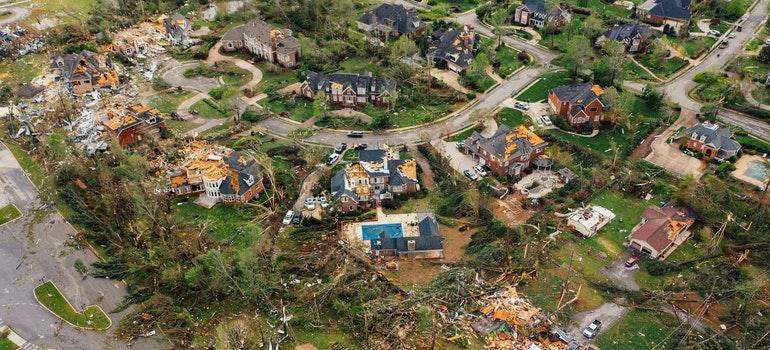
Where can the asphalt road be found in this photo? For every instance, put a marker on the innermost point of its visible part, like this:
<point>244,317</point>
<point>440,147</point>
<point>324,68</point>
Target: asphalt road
<point>35,248</point>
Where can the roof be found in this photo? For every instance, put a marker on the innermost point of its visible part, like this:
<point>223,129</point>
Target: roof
<point>76,66</point>
<point>506,143</point>
<point>675,9</point>
<point>661,225</point>
<point>719,138</point>
<point>578,95</point>
<point>628,31</point>
<point>404,20</point>
<point>455,46</point>
<point>367,83</point>
<point>540,10</point>
<point>429,237</point>
<point>133,116</point>
<point>266,34</point>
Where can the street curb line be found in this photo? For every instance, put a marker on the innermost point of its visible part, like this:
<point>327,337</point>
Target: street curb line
<point>21,215</point>
<point>73,308</point>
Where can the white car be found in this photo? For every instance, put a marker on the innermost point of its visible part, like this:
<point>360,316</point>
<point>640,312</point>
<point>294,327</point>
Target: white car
<point>480,170</point>
<point>521,105</point>
<point>310,203</point>
<point>287,217</point>
<point>714,33</point>
<point>547,120</point>
<point>732,35</point>
<point>332,158</point>
<point>767,41</point>
<point>324,203</point>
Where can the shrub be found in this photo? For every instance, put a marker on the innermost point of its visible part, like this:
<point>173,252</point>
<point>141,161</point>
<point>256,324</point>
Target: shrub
<point>659,268</point>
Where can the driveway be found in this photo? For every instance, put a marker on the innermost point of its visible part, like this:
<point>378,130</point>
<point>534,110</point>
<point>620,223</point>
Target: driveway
<point>609,314</point>
<point>669,157</point>
<point>17,14</point>
<point>618,273</point>
<point>175,77</point>
<point>458,160</point>
<point>35,248</point>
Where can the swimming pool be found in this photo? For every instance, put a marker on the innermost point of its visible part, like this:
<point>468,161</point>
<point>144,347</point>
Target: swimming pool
<point>370,232</point>
<point>758,170</point>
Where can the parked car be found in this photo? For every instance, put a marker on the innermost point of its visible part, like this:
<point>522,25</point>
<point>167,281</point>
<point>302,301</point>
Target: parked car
<point>739,28</point>
<point>461,144</point>
<point>723,44</point>
<point>521,105</point>
<point>361,146</point>
<point>310,203</point>
<point>714,33</point>
<point>356,134</point>
<point>296,218</point>
<point>340,148</point>
<point>732,35</point>
<point>287,217</point>
<point>324,203</point>
<point>592,329</point>
<point>767,41</point>
<point>546,120</point>
<point>332,158</point>
<point>480,170</point>
<point>470,175</point>
<point>633,260</point>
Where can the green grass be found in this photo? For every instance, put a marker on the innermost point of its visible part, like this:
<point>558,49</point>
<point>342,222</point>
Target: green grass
<point>228,224</point>
<point>628,213</point>
<point>753,68</point>
<point>5,14</point>
<point>604,9</point>
<point>234,75</point>
<point>169,100</point>
<point>693,46</point>
<point>301,111</point>
<point>9,213</point>
<point>509,61</point>
<point>208,109</point>
<point>274,80</point>
<point>462,135</point>
<point>753,143</point>
<point>6,344</point>
<point>511,117</point>
<point>635,72</point>
<point>539,90</point>
<point>640,330</point>
<point>358,65</point>
<point>92,317</point>
<point>667,67</point>
<point>22,70</point>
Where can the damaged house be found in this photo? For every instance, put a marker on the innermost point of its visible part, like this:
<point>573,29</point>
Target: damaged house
<point>579,103</point>
<point>661,230</point>
<point>507,152</point>
<point>218,173</point>
<point>453,49</point>
<point>84,72</point>
<point>177,30</point>
<point>141,40</point>
<point>264,41</point>
<point>135,122</point>
<point>389,20</point>
<point>589,220</point>
<point>378,175</point>
<point>350,90</point>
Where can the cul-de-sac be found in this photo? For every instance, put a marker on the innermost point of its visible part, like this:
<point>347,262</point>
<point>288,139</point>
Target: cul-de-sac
<point>384,174</point>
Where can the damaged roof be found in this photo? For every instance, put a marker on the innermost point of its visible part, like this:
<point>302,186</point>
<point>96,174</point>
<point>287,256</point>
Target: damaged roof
<point>455,46</point>
<point>405,21</point>
<point>343,81</point>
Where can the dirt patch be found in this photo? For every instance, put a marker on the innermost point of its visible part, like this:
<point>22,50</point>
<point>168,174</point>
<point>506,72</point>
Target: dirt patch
<point>692,302</point>
<point>509,210</point>
<point>645,148</point>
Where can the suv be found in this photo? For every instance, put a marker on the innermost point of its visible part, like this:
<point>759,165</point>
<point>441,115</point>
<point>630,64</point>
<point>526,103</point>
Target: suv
<point>633,260</point>
<point>310,203</point>
<point>296,218</point>
<point>332,158</point>
<point>480,170</point>
<point>340,148</point>
<point>287,217</point>
<point>592,329</point>
<point>356,134</point>
<point>470,175</point>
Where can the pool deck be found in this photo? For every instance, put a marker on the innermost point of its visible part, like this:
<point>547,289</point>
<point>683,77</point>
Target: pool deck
<point>742,165</point>
<point>545,187</point>
<point>352,233</point>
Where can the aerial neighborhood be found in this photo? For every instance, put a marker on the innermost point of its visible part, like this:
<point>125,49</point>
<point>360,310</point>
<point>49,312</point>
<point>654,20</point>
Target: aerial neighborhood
<point>364,174</point>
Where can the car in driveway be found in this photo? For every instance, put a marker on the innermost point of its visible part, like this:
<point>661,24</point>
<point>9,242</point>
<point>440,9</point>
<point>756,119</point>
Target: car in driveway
<point>323,202</point>
<point>287,217</point>
<point>470,175</point>
<point>332,158</point>
<point>521,105</point>
<point>310,203</point>
<point>340,148</point>
<point>480,170</point>
<point>296,218</point>
<point>361,146</point>
<point>632,261</point>
<point>714,33</point>
<point>592,329</point>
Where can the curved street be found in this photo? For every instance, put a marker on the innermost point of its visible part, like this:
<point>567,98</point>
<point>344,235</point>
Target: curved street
<point>17,14</point>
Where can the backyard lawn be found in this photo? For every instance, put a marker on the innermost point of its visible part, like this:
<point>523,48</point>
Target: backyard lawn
<point>169,100</point>
<point>509,62</point>
<point>628,213</point>
<point>9,213</point>
<point>208,109</point>
<point>301,110</point>
<point>635,72</point>
<point>539,90</point>
<point>692,47</point>
<point>93,317</point>
<point>511,117</point>
<point>640,330</point>
<point>230,225</point>
<point>274,80</point>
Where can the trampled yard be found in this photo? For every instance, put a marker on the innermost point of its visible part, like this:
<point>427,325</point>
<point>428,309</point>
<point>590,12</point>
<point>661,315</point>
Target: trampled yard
<point>628,213</point>
<point>169,100</point>
<point>93,317</point>
<point>208,109</point>
<point>539,90</point>
<point>662,69</point>
<point>640,330</point>
<point>227,224</point>
<point>509,61</point>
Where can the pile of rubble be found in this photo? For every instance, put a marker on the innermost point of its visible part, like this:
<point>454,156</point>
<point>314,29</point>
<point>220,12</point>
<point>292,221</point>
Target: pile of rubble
<point>143,40</point>
<point>18,41</point>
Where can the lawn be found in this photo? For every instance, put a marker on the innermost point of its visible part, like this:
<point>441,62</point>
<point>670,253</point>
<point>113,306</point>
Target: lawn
<point>359,64</point>
<point>635,72</point>
<point>408,117</point>
<point>462,135</point>
<point>509,61</point>
<point>273,78</point>
<point>461,5</point>
<point>511,117</point>
<point>628,213</point>
<point>603,8</point>
<point>663,69</point>
<point>93,317</point>
<point>234,75</point>
<point>208,109</point>
<point>9,213</point>
<point>22,70</point>
<point>754,143</point>
<point>640,329</point>
<point>169,100</point>
<point>539,90</point>
<point>6,344</point>
<point>752,67</point>
<point>693,46</point>
<point>478,85</point>
<point>301,110</point>
<point>5,14</point>
<point>228,224</point>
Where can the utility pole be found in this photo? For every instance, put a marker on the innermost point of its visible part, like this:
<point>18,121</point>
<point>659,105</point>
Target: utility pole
<point>714,244</point>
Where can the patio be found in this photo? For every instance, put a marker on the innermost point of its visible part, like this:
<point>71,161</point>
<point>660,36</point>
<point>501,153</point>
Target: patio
<point>538,184</point>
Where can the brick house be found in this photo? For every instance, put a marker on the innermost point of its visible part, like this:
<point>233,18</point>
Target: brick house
<point>264,41</point>
<point>389,20</point>
<point>674,13</point>
<point>661,230</point>
<point>349,90</point>
<point>84,72</point>
<point>132,124</point>
<point>507,152</point>
<point>712,141</point>
<point>634,36</point>
<point>377,175</point>
<point>579,103</point>
<point>453,49</point>
<point>217,173</point>
<point>535,13</point>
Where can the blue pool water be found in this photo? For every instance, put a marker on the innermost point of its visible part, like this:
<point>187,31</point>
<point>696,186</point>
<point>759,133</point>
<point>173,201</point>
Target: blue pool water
<point>758,170</point>
<point>370,232</point>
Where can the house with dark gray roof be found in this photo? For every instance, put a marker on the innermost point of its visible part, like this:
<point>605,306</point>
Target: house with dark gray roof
<point>509,151</point>
<point>264,41</point>
<point>579,103</point>
<point>634,36</point>
<point>349,90</point>
<point>377,175</point>
<point>84,72</point>
<point>427,244</point>
<point>389,20</point>
<point>453,49</point>
<point>674,13</point>
<point>177,30</point>
<point>712,141</point>
<point>536,13</point>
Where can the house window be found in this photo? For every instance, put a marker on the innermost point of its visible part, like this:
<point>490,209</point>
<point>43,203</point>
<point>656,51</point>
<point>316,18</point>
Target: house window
<point>593,109</point>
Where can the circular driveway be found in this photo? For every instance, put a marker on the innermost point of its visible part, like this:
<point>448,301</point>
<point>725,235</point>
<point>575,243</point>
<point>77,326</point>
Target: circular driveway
<point>17,14</point>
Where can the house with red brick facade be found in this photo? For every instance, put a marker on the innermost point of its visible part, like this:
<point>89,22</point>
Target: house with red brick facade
<point>136,122</point>
<point>673,13</point>
<point>579,103</point>
<point>711,141</point>
<point>264,41</point>
<point>377,175</point>
<point>510,151</point>
<point>349,90</point>
<point>452,49</point>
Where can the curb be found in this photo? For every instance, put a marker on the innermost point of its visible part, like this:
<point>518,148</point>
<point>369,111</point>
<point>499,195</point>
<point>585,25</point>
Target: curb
<point>73,308</point>
<point>21,215</point>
